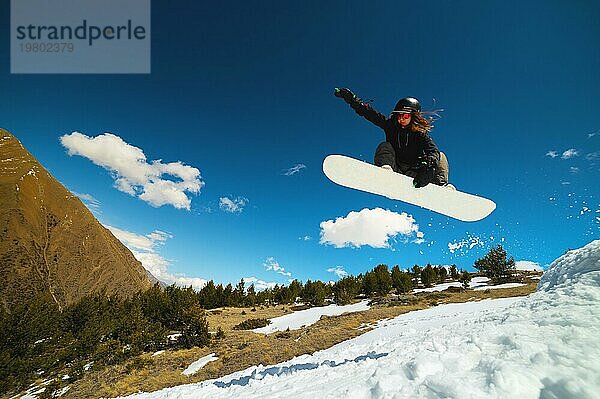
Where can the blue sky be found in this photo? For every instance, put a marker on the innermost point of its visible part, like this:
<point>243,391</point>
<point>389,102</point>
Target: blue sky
<point>243,93</point>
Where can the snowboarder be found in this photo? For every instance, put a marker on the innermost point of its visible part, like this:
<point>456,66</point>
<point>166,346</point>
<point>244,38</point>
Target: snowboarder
<point>407,148</point>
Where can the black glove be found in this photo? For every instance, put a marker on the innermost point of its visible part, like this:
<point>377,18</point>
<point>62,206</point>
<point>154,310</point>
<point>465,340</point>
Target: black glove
<point>346,94</point>
<point>425,172</point>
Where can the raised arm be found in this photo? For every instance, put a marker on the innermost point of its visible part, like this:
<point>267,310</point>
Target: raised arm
<point>363,109</point>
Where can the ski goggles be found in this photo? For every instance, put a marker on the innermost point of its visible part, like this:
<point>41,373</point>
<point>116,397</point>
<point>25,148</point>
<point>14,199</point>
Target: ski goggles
<point>403,115</point>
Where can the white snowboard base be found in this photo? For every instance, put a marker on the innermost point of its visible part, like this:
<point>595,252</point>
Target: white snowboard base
<point>352,173</point>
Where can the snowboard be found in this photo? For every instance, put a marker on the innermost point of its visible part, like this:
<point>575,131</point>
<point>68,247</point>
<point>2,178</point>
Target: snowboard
<point>359,175</point>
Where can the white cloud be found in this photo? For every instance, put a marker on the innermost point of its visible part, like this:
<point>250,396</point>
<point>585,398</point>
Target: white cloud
<point>570,153</point>
<point>294,169</point>
<point>528,265</point>
<point>593,156</point>
<point>552,154</point>
<point>139,242</point>
<point>305,238</point>
<point>272,265</point>
<point>259,285</point>
<point>233,205</point>
<point>88,200</point>
<point>159,236</point>
<point>574,169</point>
<point>197,283</point>
<point>144,248</point>
<point>132,172</point>
<point>373,227</point>
<point>338,270</point>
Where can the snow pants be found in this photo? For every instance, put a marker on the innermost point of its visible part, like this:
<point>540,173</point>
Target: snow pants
<point>385,155</point>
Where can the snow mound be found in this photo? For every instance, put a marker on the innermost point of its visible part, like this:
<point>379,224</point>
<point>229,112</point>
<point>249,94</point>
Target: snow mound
<point>578,266</point>
<point>544,345</point>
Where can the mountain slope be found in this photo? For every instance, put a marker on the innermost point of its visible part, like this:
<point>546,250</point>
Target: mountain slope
<point>50,242</point>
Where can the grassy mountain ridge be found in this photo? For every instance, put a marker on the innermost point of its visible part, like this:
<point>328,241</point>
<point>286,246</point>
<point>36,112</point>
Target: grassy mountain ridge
<point>50,241</point>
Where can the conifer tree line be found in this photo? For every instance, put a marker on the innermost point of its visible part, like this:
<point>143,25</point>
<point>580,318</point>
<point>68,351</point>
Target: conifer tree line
<point>378,282</point>
<point>37,339</point>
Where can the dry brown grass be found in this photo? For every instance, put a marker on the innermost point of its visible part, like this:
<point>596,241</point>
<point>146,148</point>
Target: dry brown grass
<point>242,349</point>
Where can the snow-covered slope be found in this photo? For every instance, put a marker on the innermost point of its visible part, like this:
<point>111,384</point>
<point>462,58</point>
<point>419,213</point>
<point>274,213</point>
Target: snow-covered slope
<point>541,346</point>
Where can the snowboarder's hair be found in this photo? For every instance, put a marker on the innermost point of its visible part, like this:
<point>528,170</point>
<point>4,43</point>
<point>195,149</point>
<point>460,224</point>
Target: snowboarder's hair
<point>419,123</point>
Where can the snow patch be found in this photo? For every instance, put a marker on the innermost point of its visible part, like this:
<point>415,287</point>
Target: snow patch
<point>499,286</point>
<point>438,287</point>
<point>478,282</point>
<point>474,283</point>
<point>527,265</point>
<point>306,317</point>
<point>198,364</point>
<point>60,392</point>
<point>174,337</point>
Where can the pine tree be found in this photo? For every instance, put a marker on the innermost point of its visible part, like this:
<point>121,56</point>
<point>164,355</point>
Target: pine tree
<point>428,276</point>
<point>346,289</point>
<point>208,296</point>
<point>154,304</point>
<point>454,272</point>
<point>369,284</point>
<point>238,294</point>
<point>220,296</point>
<point>496,266</point>
<point>283,295</point>
<point>314,293</point>
<point>384,280</point>
<point>251,296</point>
<point>401,280</point>
<point>416,271</point>
<point>465,279</point>
<point>227,295</point>
<point>195,328</point>
<point>442,273</point>
<point>295,289</point>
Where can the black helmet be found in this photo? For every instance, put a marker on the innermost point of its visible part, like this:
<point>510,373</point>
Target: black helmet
<point>408,104</point>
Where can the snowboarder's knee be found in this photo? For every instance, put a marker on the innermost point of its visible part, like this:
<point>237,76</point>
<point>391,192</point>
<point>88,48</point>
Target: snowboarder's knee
<point>442,171</point>
<point>385,146</point>
<point>385,155</point>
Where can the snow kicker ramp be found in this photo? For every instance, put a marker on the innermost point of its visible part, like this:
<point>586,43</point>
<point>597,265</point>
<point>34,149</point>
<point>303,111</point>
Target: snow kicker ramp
<point>541,346</point>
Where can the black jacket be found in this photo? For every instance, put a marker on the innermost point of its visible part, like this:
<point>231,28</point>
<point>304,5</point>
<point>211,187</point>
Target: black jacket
<point>408,145</point>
